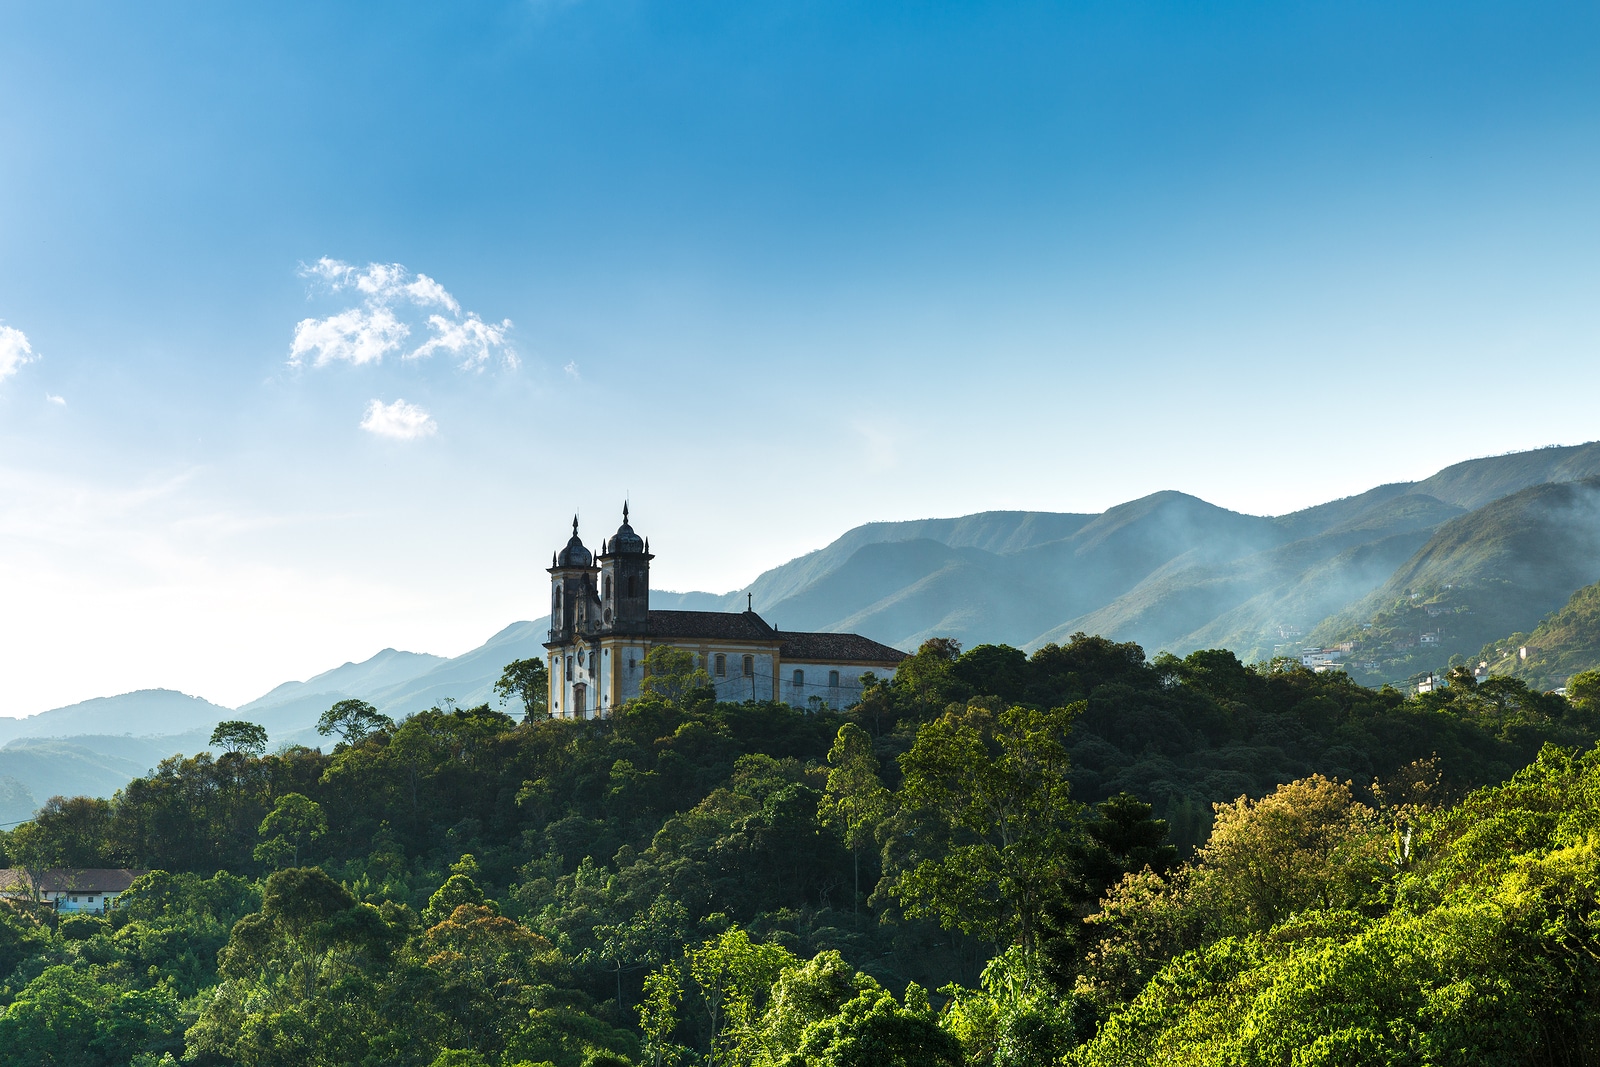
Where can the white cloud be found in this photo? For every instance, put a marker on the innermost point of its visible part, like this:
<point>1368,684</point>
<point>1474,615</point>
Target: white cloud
<point>471,338</point>
<point>14,351</point>
<point>572,371</point>
<point>399,420</point>
<point>424,290</point>
<point>360,335</point>
<point>52,398</point>
<point>389,292</point>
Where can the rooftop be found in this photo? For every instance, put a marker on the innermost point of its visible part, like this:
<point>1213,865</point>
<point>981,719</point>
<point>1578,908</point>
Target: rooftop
<point>71,879</point>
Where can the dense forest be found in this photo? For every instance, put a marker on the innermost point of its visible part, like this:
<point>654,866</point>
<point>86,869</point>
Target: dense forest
<point>1077,856</point>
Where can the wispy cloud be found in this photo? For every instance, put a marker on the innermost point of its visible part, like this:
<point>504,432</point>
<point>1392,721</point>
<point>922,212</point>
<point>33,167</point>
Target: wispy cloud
<point>52,398</point>
<point>572,371</point>
<point>14,351</point>
<point>393,301</point>
<point>399,420</point>
<point>472,339</point>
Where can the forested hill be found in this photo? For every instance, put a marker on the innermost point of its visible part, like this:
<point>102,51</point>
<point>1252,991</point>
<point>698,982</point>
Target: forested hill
<point>982,863</point>
<point>1562,645</point>
<point>1173,572</point>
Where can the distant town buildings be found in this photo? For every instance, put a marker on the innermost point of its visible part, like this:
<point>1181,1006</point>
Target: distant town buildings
<point>1323,659</point>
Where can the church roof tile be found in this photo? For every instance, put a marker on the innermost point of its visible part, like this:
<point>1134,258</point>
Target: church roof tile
<point>711,625</point>
<point>837,648</point>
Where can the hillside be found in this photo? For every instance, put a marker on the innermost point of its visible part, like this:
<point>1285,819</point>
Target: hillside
<point>1169,571</point>
<point>142,713</point>
<point>1490,572</point>
<point>95,747</point>
<point>1563,644</point>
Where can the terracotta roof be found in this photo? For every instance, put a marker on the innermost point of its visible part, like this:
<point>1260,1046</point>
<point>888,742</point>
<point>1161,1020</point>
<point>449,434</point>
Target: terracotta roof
<point>710,625</point>
<point>837,648</point>
<point>72,879</point>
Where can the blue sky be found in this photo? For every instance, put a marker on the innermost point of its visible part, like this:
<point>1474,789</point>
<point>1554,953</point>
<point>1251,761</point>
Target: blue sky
<point>771,269</point>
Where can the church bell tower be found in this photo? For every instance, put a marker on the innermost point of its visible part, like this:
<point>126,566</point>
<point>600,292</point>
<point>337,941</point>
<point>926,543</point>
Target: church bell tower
<point>571,585</point>
<point>625,581</point>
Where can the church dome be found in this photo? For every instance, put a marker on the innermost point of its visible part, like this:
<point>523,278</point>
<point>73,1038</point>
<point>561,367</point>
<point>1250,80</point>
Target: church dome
<point>574,555</point>
<point>625,541</point>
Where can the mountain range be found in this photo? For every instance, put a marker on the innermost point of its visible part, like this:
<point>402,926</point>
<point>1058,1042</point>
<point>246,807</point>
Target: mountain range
<point>1398,579</point>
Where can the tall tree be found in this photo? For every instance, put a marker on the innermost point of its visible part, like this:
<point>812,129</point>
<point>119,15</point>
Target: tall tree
<point>236,737</point>
<point>529,681</point>
<point>995,784</point>
<point>856,801</point>
<point>354,721</point>
<point>293,823</point>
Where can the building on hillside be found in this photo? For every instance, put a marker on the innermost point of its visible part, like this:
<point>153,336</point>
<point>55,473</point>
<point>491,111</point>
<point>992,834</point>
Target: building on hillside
<point>70,890</point>
<point>602,627</point>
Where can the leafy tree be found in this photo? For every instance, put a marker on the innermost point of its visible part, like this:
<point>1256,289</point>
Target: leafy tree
<point>1121,839</point>
<point>459,890</point>
<point>659,1013</point>
<point>856,801</point>
<point>671,674</point>
<point>238,737</point>
<point>294,822</point>
<point>65,832</point>
<point>873,1030</point>
<point>643,940</point>
<point>1583,690</point>
<point>353,720</point>
<point>732,978</point>
<point>996,784</point>
<point>276,1004</point>
<point>529,681</point>
<point>64,1018</point>
<point>809,993</point>
<point>1307,845</point>
<point>483,973</point>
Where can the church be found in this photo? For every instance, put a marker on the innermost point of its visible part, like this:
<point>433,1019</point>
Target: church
<point>602,627</point>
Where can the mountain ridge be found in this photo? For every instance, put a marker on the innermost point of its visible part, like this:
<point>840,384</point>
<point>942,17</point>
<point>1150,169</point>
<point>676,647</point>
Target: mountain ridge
<point>1168,570</point>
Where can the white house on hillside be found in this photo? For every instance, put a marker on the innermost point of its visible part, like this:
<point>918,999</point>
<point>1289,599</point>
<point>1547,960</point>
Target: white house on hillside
<point>74,890</point>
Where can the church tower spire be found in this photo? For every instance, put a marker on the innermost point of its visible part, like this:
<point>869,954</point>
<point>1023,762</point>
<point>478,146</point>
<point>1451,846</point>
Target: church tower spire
<point>625,581</point>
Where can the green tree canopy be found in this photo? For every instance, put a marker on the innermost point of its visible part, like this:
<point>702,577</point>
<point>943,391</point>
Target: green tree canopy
<point>294,822</point>
<point>353,720</point>
<point>528,680</point>
<point>995,786</point>
<point>237,736</point>
<point>673,675</point>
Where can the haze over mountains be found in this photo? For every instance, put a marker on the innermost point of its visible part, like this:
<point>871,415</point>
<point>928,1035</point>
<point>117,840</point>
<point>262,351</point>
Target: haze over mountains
<point>1405,576</point>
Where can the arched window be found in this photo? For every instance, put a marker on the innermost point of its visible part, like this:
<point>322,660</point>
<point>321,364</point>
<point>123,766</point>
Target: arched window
<point>722,665</point>
<point>633,589</point>
<point>799,678</point>
<point>833,679</point>
<point>749,666</point>
<point>608,587</point>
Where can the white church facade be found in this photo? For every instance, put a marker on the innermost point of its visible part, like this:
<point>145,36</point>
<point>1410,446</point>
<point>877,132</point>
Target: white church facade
<point>602,627</point>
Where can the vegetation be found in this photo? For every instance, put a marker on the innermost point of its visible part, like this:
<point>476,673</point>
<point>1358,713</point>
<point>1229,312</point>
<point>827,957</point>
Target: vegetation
<point>1480,576</point>
<point>1563,644</point>
<point>992,859</point>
